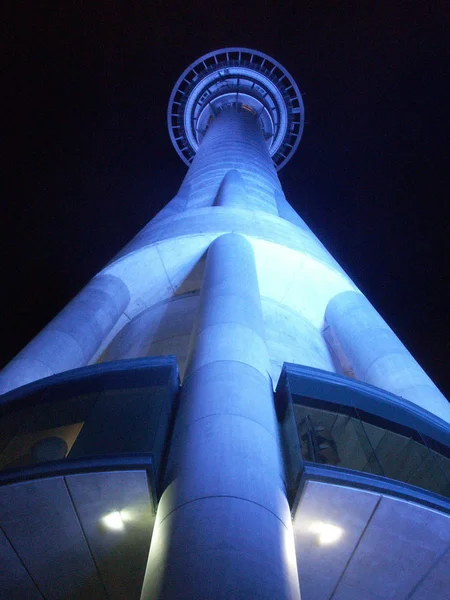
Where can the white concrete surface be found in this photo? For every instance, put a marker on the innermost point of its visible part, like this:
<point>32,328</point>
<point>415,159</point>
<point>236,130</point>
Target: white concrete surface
<point>232,191</point>
<point>378,357</point>
<point>165,329</point>
<point>234,141</point>
<point>74,335</point>
<point>223,527</point>
<point>296,275</point>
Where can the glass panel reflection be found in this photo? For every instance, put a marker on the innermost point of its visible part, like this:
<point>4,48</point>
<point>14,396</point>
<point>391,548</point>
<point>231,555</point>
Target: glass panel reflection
<point>332,438</point>
<point>52,422</point>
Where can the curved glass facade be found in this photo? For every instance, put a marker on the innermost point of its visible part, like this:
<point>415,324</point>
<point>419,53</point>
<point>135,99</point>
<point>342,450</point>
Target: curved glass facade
<point>333,421</point>
<point>113,412</point>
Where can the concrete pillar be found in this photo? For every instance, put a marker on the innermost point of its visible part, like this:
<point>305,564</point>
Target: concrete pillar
<point>234,140</point>
<point>377,356</point>
<point>74,335</point>
<point>223,527</point>
<point>232,191</point>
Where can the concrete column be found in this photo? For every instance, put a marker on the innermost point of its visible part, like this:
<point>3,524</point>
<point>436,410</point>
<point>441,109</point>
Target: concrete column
<point>377,356</point>
<point>223,527</point>
<point>234,140</point>
<point>74,335</point>
<point>232,191</point>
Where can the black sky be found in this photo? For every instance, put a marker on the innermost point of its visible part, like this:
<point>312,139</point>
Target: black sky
<point>88,160</point>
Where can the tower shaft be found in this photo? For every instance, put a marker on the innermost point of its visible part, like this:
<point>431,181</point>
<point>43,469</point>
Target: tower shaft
<point>234,140</point>
<point>225,493</point>
<point>238,491</point>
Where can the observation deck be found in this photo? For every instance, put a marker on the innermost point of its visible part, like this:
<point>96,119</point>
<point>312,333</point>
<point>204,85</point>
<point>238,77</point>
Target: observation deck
<point>239,77</point>
<point>76,517</point>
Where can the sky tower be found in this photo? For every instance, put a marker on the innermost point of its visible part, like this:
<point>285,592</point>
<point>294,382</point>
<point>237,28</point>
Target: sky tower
<point>220,412</point>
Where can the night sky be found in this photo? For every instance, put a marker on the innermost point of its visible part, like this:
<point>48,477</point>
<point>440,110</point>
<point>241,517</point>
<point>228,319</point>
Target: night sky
<point>88,160</point>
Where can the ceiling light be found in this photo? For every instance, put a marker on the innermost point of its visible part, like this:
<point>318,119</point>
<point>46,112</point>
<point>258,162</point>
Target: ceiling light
<point>113,520</point>
<point>126,515</point>
<point>326,533</point>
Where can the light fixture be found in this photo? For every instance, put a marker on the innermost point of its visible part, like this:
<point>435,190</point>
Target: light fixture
<point>326,533</point>
<point>126,515</point>
<point>114,520</point>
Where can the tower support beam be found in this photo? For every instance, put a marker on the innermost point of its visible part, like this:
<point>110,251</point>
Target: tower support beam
<point>378,356</point>
<point>232,191</point>
<point>223,528</point>
<point>71,339</point>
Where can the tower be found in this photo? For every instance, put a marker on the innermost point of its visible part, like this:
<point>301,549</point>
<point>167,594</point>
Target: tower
<point>303,433</point>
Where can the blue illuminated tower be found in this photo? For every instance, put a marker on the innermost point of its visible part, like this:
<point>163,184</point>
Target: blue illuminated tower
<point>223,390</point>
